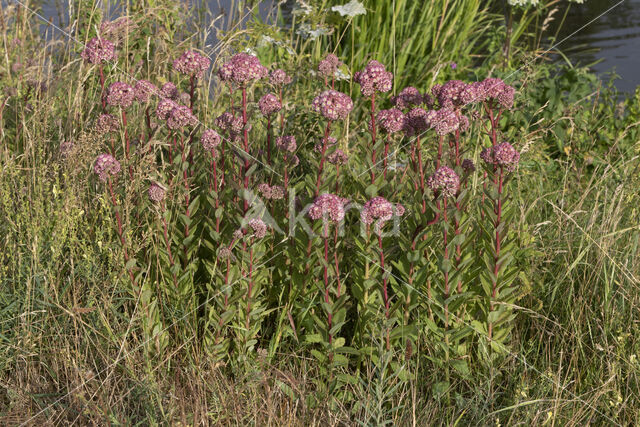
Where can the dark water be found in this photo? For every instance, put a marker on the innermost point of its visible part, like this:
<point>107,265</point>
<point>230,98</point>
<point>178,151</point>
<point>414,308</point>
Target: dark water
<point>609,41</point>
<point>613,38</point>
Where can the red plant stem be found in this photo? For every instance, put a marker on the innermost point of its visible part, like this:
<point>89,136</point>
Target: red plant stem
<point>192,87</point>
<point>496,265</point>
<point>281,114</point>
<point>326,278</point>
<point>120,233</point>
<point>226,300</point>
<point>215,186</point>
<point>384,278</point>
<point>440,140</point>
<point>187,195</point>
<point>421,170</point>
<point>335,257</point>
<point>446,257</point>
<point>126,139</point>
<point>286,174</point>
<point>326,82</point>
<point>245,134</point>
<point>269,140</point>
<point>457,137</point>
<point>102,95</point>
<point>250,285</point>
<point>322,158</point>
<point>373,136</point>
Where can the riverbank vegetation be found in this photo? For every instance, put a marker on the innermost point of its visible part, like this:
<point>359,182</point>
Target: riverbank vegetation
<point>315,213</point>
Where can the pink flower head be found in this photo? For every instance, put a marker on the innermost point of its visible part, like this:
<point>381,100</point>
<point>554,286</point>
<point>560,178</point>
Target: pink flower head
<point>192,64</point>
<point>329,65</point>
<point>156,193</point>
<point>279,78</point>
<point>392,120</point>
<point>501,155</point>
<point>243,69</point>
<point>225,72</point>
<point>210,139</point>
<point>374,78</point>
<point>407,98</point>
<point>143,90</point>
<point>224,253</point>
<point>106,123</point>
<point>286,143</point>
<point>468,166</point>
<point>269,104</point>
<point>120,94</point>
<point>99,50</point>
<point>420,120</point>
<point>331,141</point>
<point>169,90</point>
<point>259,228</point>
<point>498,90</point>
<point>180,117</point>
<point>333,105</point>
<point>265,190</point>
<point>445,121</point>
<point>338,157</point>
<point>106,165</point>
<point>377,208</point>
<point>444,181</point>
<point>454,94</point>
<point>165,107</point>
<point>328,207</point>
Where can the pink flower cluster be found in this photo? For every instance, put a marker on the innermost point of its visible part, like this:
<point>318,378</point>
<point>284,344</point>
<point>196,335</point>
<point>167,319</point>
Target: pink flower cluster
<point>233,125</point>
<point>99,50</point>
<point>444,181</point>
<point>210,140</point>
<point>287,143</point>
<point>331,141</point>
<point>165,107</point>
<point>271,192</point>
<point>497,90</point>
<point>192,63</point>
<point>328,207</point>
<point>181,116</point>
<point>379,209</point>
<point>106,123</point>
<point>143,90</point>
<point>468,166</point>
<point>338,157</point>
<point>419,120</point>
<point>169,90</point>
<point>329,65</point>
<point>501,155</point>
<point>445,121</point>
<point>374,78</point>
<point>156,193</point>
<point>392,120</point>
<point>454,94</point>
<point>120,94</point>
<point>269,104</point>
<point>333,105</point>
<point>241,69</point>
<point>407,98</point>
<point>258,227</point>
<point>117,29</point>
<point>106,165</point>
<point>278,77</point>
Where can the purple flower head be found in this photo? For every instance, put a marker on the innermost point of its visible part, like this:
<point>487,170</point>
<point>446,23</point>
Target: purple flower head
<point>445,121</point>
<point>258,227</point>
<point>225,72</point>
<point>265,190</point>
<point>453,65</point>
<point>210,139</point>
<point>223,121</point>
<point>99,50</point>
<point>242,69</point>
<point>501,155</point>
<point>106,165</point>
<point>450,94</point>
<point>120,94</point>
<point>184,98</point>
<point>286,143</point>
<point>464,122</point>
<point>428,100</point>
<point>328,207</point>
<point>279,78</point>
<point>333,105</point>
<point>156,193</point>
<point>407,98</point>
<point>379,210</point>
<point>496,89</point>
<point>329,65</point>
<point>420,120</point>
<point>165,107</point>
<point>277,192</point>
<point>143,90</point>
<point>468,166</point>
<point>338,157</point>
<point>224,253</point>
<point>192,64</point>
<point>169,90</point>
<point>444,181</point>
<point>374,78</point>
<point>180,117</point>
<point>269,104</point>
<point>106,123</point>
<point>392,120</point>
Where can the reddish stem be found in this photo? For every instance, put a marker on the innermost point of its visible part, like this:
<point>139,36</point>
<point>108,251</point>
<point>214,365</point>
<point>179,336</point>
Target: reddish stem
<point>245,134</point>
<point>102,95</point>
<point>326,278</point>
<point>322,158</point>
<point>373,137</point>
